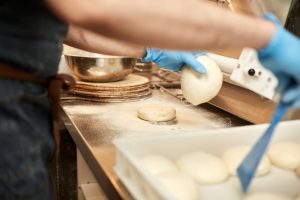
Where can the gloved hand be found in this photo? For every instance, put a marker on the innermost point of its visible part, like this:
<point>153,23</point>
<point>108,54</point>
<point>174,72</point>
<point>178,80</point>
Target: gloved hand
<point>282,57</point>
<point>174,60</point>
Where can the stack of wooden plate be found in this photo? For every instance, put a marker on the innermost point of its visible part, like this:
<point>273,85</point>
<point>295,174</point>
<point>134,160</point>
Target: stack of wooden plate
<point>133,87</point>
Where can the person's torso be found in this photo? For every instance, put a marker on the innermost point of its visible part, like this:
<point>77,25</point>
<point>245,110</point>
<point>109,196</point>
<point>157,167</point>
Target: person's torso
<point>31,36</point>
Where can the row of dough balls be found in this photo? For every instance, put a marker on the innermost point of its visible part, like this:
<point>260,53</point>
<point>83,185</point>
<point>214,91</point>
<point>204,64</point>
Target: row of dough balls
<point>285,155</point>
<point>202,167</point>
<point>179,179</point>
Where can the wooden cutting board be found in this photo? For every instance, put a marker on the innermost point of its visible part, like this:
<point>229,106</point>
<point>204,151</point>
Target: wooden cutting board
<point>133,87</point>
<point>114,95</point>
<point>112,92</point>
<point>130,81</point>
<point>77,97</point>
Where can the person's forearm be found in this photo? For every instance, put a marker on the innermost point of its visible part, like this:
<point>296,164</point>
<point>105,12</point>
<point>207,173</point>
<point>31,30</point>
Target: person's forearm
<point>176,24</point>
<point>89,41</point>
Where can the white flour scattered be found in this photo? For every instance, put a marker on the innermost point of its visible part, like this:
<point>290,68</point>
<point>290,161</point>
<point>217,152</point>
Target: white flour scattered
<point>122,117</point>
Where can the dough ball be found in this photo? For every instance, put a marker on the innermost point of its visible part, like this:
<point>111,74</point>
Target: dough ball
<point>157,164</point>
<point>156,113</point>
<point>285,155</point>
<point>181,186</point>
<point>203,167</point>
<point>298,173</point>
<point>235,155</point>
<point>265,196</point>
<point>200,88</point>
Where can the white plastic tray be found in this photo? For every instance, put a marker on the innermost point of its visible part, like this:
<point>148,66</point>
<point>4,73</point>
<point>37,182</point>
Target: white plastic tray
<point>144,186</point>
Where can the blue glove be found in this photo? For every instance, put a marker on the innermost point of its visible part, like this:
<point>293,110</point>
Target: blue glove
<point>282,57</point>
<point>174,60</point>
<point>292,96</point>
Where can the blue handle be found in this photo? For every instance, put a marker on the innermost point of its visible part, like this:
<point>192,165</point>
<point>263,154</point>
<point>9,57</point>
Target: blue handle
<point>248,167</point>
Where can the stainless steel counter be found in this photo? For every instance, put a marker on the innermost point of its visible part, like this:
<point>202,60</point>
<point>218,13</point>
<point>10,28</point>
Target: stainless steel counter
<point>93,126</point>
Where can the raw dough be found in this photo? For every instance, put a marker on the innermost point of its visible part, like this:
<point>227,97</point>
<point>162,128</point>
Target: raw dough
<point>203,167</point>
<point>156,113</point>
<point>157,164</point>
<point>200,88</point>
<point>265,196</point>
<point>285,155</point>
<point>181,186</point>
<point>235,155</point>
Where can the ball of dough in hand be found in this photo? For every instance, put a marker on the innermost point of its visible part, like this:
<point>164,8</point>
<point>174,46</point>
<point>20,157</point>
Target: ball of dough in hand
<point>235,155</point>
<point>200,88</point>
<point>203,167</point>
<point>157,164</point>
<point>181,186</point>
<point>156,113</point>
<point>285,155</point>
<point>265,196</point>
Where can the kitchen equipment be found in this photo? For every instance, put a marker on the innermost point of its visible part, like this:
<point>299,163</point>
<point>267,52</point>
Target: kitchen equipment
<point>99,68</point>
<point>247,72</point>
<point>249,89</point>
<point>143,185</point>
<point>132,87</point>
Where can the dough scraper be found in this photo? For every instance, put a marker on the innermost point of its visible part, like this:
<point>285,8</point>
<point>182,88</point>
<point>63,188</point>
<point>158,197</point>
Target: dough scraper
<point>247,168</point>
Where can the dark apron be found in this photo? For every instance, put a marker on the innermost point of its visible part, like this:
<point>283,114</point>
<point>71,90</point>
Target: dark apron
<point>56,84</point>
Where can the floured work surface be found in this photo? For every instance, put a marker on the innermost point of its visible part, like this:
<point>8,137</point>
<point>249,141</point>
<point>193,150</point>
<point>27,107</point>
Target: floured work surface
<point>122,117</point>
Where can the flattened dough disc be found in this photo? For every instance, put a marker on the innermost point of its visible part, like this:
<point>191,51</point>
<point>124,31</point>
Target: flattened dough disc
<point>156,113</point>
